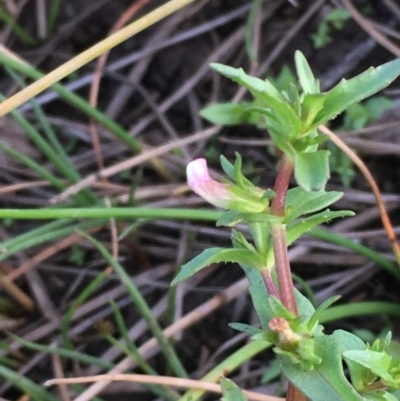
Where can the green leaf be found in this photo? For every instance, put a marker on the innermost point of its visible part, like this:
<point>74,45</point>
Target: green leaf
<point>230,114</point>
<point>302,226</point>
<point>321,309</point>
<point>250,26</point>
<point>347,92</point>
<point>261,236</point>
<point>259,295</point>
<point>230,391</point>
<point>349,341</point>
<point>310,107</point>
<point>240,179</point>
<point>327,380</point>
<point>228,167</point>
<point>306,77</point>
<point>298,202</point>
<point>230,218</point>
<point>377,106</point>
<point>304,305</point>
<point>281,117</point>
<point>278,309</point>
<point>312,170</point>
<point>256,86</point>
<point>284,80</point>
<point>217,255</point>
<point>245,328</point>
<point>240,242</point>
<point>377,362</point>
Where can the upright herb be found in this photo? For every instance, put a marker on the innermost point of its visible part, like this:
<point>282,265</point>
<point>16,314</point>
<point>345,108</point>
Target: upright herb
<point>311,359</point>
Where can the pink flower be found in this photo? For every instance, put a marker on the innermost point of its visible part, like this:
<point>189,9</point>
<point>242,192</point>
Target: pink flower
<point>199,180</point>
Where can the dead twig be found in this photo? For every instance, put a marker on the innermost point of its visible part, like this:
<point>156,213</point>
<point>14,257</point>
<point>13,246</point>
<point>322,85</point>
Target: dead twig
<point>163,380</point>
<point>374,186</point>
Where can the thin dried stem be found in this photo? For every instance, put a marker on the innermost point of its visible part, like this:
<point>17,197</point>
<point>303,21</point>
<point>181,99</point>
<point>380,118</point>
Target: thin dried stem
<point>162,380</point>
<point>374,186</point>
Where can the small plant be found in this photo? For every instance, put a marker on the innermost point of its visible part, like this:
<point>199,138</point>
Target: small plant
<point>311,359</point>
<point>335,19</point>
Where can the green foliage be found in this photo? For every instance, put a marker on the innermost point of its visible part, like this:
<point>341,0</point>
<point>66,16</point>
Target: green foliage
<point>326,381</point>
<point>230,391</point>
<point>217,255</point>
<point>310,359</point>
<point>292,118</point>
<point>77,255</point>
<point>335,19</point>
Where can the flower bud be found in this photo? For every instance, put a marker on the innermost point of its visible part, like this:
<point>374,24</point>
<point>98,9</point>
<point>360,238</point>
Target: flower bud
<point>199,180</point>
<point>244,199</point>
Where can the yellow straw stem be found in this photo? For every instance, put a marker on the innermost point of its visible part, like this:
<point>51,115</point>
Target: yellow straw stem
<point>90,54</point>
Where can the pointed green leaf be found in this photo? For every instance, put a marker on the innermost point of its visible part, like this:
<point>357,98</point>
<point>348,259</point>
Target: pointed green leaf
<point>240,242</point>
<point>377,363</point>
<point>312,170</point>
<point>310,107</point>
<point>230,114</point>
<point>256,86</point>
<point>348,341</point>
<point>245,328</point>
<point>304,305</point>
<point>240,179</point>
<point>250,27</point>
<point>304,225</point>
<point>259,295</point>
<point>306,77</point>
<point>217,255</point>
<point>299,202</point>
<point>281,117</point>
<point>230,218</point>
<point>261,236</point>
<point>278,309</point>
<point>327,380</point>
<point>347,92</point>
<point>230,391</point>
<point>321,308</point>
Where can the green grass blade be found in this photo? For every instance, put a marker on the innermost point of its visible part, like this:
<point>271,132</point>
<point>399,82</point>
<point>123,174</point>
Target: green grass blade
<point>32,165</point>
<point>51,155</point>
<point>65,353</point>
<point>62,158</point>
<point>53,13</point>
<point>358,309</point>
<point>20,243</point>
<point>83,296</point>
<point>143,308</point>
<point>338,239</point>
<point>77,102</point>
<point>15,27</point>
<point>36,391</point>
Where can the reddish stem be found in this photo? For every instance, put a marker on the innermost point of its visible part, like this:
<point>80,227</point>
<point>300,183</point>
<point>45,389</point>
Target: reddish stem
<point>269,283</point>
<point>281,186</point>
<point>282,264</point>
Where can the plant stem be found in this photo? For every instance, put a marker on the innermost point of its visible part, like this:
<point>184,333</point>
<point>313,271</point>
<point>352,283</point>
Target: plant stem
<point>281,186</point>
<point>286,288</point>
<point>282,265</point>
<point>278,232</point>
<point>269,283</point>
